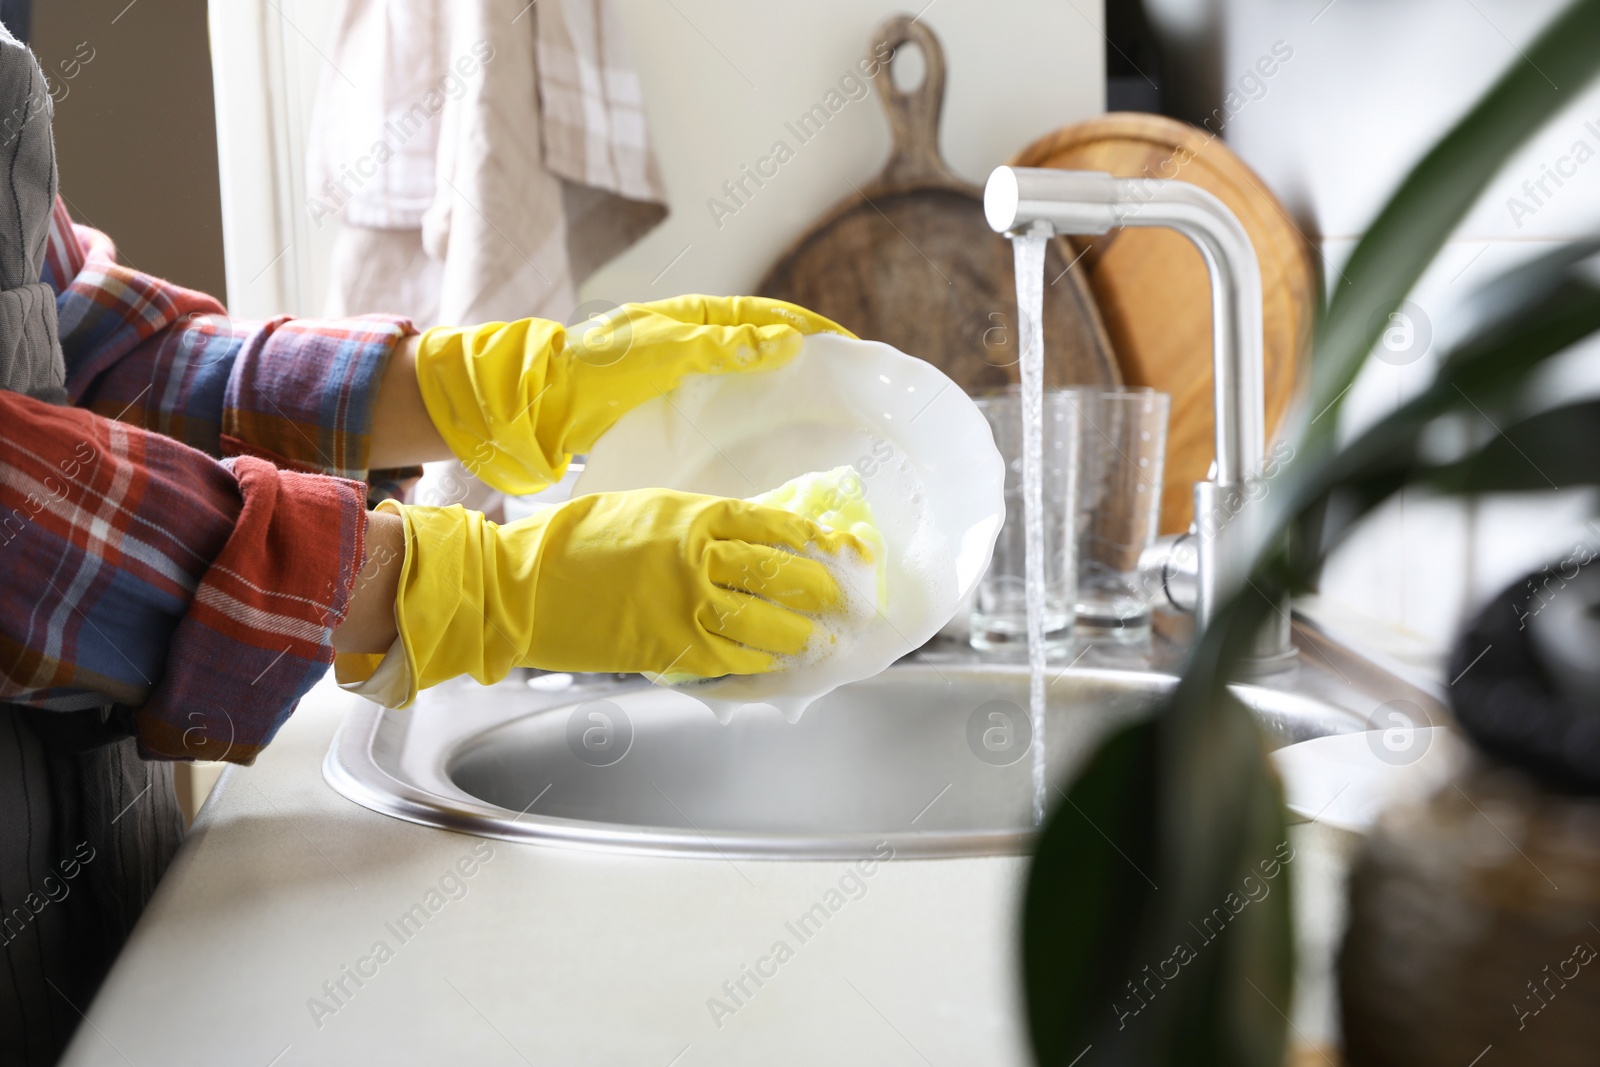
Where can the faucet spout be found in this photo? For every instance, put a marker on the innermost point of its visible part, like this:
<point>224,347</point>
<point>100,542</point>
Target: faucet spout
<point>1079,203</point>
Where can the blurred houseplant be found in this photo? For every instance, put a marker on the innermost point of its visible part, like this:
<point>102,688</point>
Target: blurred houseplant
<point>1119,971</point>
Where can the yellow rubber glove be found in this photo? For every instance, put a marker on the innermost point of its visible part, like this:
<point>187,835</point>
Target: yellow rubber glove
<point>648,580</point>
<point>515,401</point>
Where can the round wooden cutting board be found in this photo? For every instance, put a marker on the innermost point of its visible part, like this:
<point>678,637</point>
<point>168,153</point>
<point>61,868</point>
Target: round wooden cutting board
<point>911,262</point>
<point>1153,291</point>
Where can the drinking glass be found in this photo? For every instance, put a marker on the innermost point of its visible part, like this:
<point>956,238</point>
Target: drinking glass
<point>1122,447</point>
<point>1000,607</point>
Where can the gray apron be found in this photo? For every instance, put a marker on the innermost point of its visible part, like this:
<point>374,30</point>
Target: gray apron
<point>86,827</point>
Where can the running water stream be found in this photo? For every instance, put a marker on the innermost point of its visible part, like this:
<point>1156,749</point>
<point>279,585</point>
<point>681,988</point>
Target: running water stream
<point>1028,250</point>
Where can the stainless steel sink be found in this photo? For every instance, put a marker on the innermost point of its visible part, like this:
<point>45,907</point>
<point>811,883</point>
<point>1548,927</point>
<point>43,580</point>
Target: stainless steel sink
<point>929,756</point>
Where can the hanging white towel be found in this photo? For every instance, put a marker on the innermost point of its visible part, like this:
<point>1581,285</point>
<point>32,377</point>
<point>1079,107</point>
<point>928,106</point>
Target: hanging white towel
<point>375,126</point>
<point>483,157</point>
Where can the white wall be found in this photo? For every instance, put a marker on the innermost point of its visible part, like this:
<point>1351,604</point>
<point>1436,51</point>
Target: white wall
<point>721,78</point>
<point>1369,90</point>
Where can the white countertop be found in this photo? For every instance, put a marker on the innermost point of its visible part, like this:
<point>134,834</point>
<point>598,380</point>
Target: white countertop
<point>551,955</point>
<point>561,955</point>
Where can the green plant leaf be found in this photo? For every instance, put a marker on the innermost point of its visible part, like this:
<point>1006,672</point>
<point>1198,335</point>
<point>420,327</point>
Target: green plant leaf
<point>1525,315</point>
<point>1191,792</point>
<point>1088,886</point>
<point>1120,971</point>
<point>1555,449</point>
<point>1408,233</point>
<point>1538,311</point>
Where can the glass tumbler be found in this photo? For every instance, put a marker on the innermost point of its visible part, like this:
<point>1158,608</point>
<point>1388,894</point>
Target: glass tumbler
<point>1122,447</point>
<point>1000,607</point>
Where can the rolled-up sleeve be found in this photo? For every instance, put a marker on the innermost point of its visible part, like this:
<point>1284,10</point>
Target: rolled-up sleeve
<point>298,392</point>
<point>198,597</point>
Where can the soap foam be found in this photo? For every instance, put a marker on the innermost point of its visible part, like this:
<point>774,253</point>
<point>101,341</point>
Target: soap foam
<point>836,500</point>
<point>839,628</point>
<point>833,631</point>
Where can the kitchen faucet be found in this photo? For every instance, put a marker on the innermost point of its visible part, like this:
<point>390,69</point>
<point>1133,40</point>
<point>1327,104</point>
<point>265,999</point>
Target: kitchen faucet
<point>1214,555</point>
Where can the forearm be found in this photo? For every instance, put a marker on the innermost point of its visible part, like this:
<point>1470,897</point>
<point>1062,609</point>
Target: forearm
<point>403,435</point>
<point>202,595</point>
<point>303,393</point>
<point>87,531</point>
<point>369,626</point>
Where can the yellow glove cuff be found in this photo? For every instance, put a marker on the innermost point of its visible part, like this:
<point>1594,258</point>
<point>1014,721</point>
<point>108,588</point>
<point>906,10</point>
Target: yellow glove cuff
<point>462,607</point>
<point>485,388</point>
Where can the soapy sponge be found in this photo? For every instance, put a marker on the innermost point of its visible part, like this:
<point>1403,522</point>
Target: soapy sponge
<point>836,499</point>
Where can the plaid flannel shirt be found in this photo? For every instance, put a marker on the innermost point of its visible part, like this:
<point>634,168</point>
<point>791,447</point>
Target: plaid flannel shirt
<point>196,597</point>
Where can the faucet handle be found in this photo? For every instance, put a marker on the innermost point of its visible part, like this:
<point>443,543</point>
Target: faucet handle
<point>1169,572</point>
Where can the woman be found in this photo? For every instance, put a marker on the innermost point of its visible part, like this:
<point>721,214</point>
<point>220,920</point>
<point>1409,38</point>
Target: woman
<point>163,602</point>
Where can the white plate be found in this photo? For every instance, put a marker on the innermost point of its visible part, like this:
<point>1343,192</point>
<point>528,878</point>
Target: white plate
<point>1347,780</point>
<point>927,459</point>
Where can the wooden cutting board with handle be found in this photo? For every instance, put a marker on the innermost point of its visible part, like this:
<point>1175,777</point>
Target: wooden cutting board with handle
<point>1154,293</point>
<point>910,261</point>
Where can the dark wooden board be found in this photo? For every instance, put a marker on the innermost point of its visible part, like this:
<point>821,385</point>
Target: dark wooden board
<point>910,260</point>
